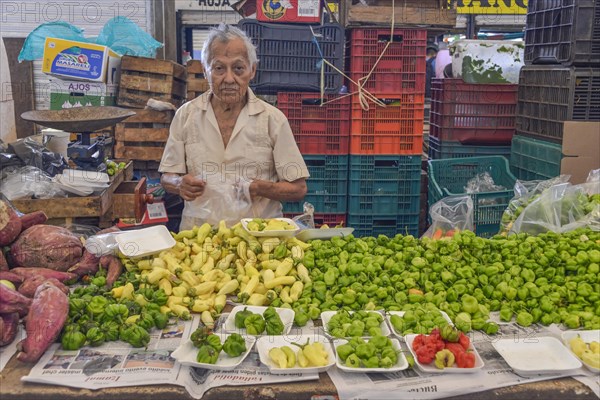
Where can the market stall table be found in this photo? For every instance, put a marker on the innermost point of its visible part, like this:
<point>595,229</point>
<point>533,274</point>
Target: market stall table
<point>11,387</point>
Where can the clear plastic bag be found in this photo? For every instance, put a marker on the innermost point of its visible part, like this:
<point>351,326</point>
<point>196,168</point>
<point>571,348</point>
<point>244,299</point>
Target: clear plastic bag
<point>525,193</point>
<point>223,199</point>
<point>307,219</point>
<point>562,208</point>
<point>28,182</point>
<point>449,216</point>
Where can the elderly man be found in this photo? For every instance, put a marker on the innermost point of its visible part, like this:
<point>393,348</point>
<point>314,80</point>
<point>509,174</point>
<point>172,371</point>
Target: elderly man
<point>229,141</point>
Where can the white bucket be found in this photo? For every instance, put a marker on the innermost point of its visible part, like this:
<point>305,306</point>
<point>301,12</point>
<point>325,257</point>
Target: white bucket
<point>58,141</point>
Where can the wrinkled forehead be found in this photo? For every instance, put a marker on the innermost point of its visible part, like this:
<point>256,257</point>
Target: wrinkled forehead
<point>228,51</point>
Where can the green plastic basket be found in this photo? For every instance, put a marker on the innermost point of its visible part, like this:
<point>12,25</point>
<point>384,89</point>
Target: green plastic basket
<point>532,159</point>
<point>448,177</point>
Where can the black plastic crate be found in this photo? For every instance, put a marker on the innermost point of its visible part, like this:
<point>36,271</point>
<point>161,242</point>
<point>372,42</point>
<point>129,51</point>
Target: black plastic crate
<point>290,56</point>
<point>563,32</point>
<point>548,96</point>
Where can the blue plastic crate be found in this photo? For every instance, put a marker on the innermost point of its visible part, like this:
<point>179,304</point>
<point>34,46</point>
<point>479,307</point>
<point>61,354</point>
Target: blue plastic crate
<point>291,56</point>
<point>532,159</point>
<point>384,185</point>
<point>327,185</point>
<point>452,149</point>
<point>389,225</point>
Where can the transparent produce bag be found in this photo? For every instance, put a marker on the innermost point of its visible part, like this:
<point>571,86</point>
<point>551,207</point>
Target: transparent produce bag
<point>449,216</point>
<point>562,208</point>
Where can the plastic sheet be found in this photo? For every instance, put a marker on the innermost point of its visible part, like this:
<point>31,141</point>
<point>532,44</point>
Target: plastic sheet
<point>449,216</point>
<point>29,182</point>
<point>32,152</point>
<point>126,38</point>
<point>33,48</point>
<point>307,219</point>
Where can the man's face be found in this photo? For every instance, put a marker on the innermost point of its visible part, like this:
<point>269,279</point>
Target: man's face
<point>230,71</point>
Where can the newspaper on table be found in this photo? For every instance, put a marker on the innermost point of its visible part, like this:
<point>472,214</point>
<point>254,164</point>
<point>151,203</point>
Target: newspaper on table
<point>117,364</point>
<point>6,352</point>
<point>415,384</point>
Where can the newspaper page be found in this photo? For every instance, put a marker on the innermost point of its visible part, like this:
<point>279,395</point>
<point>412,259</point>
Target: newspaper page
<point>412,383</point>
<point>6,352</point>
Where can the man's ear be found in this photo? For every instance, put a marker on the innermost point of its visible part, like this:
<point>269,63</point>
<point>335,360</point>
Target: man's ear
<point>253,71</point>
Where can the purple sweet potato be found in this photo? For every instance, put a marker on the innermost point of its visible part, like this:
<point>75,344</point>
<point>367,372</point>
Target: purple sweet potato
<point>30,285</point>
<point>48,273</point>
<point>47,246</point>
<point>45,320</point>
<point>3,262</point>
<point>9,324</point>
<point>114,266</point>
<point>12,301</point>
<point>34,218</point>
<point>88,265</point>
<point>11,277</point>
<point>10,224</point>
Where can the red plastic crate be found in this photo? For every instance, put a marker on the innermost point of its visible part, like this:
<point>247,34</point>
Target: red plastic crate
<point>396,129</point>
<point>317,129</point>
<point>473,114</point>
<point>329,219</point>
<point>402,67</point>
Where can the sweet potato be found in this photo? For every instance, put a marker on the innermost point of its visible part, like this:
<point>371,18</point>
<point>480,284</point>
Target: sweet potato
<point>10,224</point>
<point>3,262</point>
<point>45,320</point>
<point>48,273</point>
<point>47,245</point>
<point>88,265</point>
<point>11,277</point>
<point>9,324</point>
<point>12,301</point>
<point>30,285</point>
<point>34,218</point>
<point>114,266</point>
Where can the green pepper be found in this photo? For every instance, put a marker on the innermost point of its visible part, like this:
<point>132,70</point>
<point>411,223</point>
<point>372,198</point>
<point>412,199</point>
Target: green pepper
<point>524,318</point>
<point>240,317</point>
<point>391,353</point>
<point>119,312</point>
<point>146,321</point>
<point>99,281</point>
<point>353,361</point>
<point>300,317</point>
<point>572,321</point>
<point>160,320</point>
<point>371,362</point>
<point>320,290</point>
<point>356,328</point>
<point>73,339</point>
<point>309,259</point>
<point>160,297</point>
<point>386,362</point>
<point>380,342</point>
<point>344,351</point>
<point>234,345</point>
<point>365,351</point>
<point>135,335</point>
<point>274,325</point>
<point>111,330</point>
<point>76,306</point>
<point>198,337</point>
<point>207,355</point>
<point>95,337</point>
<point>255,324</point>
<point>314,312</point>
<point>97,305</point>
<point>214,341</point>
<point>469,304</point>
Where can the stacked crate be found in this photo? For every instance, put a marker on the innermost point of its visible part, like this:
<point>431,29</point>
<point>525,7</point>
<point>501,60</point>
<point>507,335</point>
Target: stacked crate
<point>566,34</point>
<point>143,136</point>
<point>386,141</point>
<point>470,120</point>
<point>196,82</point>
<point>322,134</point>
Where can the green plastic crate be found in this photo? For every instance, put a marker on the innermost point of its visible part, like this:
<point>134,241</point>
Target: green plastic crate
<point>448,177</point>
<point>453,149</point>
<point>532,159</point>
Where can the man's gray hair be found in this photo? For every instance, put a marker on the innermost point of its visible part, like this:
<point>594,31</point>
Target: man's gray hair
<point>225,33</point>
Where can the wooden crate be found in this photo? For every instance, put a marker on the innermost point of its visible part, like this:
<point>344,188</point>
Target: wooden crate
<point>143,136</point>
<point>196,83</point>
<point>144,78</point>
<point>433,13</point>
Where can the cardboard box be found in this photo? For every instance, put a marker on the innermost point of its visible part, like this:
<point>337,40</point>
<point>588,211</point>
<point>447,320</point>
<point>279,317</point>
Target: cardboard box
<point>289,11</point>
<point>67,94</point>
<point>80,60</point>
<point>581,149</point>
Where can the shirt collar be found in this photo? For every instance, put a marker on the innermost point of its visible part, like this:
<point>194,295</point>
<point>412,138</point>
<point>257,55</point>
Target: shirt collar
<point>254,105</point>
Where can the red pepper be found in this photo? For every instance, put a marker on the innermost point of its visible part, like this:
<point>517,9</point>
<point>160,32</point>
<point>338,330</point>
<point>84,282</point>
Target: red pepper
<point>464,341</point>
<point>418,342</point>
<point>466,360</point>
<point>455,348</point>
<point>425,354</point>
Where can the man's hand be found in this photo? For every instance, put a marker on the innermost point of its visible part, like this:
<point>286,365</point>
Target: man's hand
<point>190,187</point>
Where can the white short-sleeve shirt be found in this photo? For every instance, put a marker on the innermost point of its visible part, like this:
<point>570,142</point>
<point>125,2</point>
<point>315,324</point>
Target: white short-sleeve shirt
<point>261,146</point>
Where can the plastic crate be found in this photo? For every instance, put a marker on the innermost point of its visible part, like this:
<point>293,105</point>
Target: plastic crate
<point>402,67</point>
<point>384,185</point>
<point>439,149</point>
<point>450,176</point>
<point>290,58</point>
<point>318,129</point>
<point>563,32</point>
<point>548,96</point>
<point>473,113</point>
<point>321,219</point>
<point>395,129</point>
<point>327,185</point>
<point>389,225</point>
<point>532,159</point>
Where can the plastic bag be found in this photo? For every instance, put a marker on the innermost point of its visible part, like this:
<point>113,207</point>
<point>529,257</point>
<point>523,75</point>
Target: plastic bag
<point>482,183</point>
<point>125,37</point>
<point>33,48</point>
<point>449,216</point>
<point>562,208</point>
<point>525,193</point>
<point>34,153</point>
<point>223,199</point>
<point>28,182</point>
<point>307,219</point>
<point>102,245</point>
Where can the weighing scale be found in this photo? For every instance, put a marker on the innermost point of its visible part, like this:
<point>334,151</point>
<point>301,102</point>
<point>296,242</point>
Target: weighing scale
<point>81,121</point>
